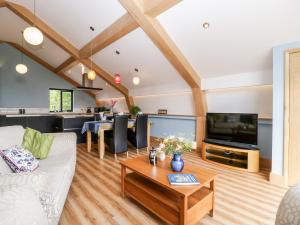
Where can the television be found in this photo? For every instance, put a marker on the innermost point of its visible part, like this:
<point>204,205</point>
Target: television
<point>232,128</point>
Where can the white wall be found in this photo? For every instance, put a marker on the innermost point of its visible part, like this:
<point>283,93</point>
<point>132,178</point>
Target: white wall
<point>223,95</point>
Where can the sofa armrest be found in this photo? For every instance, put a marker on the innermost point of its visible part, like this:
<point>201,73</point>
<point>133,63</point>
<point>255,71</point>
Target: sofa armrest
<point>63,142</point>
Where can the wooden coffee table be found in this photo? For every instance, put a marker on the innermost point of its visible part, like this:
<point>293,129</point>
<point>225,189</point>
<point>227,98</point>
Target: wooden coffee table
<point>149,185</point>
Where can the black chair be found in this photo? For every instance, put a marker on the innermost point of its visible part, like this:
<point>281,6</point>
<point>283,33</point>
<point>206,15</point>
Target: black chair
<point>116,139</point>
<point>138,136</point>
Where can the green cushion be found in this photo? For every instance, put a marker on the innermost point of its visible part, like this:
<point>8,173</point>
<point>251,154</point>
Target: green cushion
<point>28,138</point>
<point>37,143</point>
<point>41,145</point>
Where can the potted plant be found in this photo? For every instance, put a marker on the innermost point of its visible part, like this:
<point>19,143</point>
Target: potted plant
<point>134,110</point>
<point>176,146</point>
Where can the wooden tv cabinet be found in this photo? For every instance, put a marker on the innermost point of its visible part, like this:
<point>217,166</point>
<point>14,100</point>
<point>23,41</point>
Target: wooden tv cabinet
<point>231,157</point>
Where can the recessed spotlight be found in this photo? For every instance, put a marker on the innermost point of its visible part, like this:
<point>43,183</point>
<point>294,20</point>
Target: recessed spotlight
<point>205,25</point>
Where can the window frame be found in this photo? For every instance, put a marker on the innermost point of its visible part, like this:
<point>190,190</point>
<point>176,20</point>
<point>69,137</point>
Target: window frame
<point>61,99</point>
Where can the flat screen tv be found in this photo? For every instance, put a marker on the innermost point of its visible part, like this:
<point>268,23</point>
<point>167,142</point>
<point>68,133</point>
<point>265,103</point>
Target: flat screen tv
<point>232,127</point>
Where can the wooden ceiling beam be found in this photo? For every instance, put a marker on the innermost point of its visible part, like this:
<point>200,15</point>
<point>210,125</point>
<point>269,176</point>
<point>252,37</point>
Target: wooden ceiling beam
<point>2,3</point>
<point>28,16</point>
<point>105,76</point>
<point>114,32</point>
<point>155,7</point>
<point>46,65</point>
<point>161,39</point>
<point>66,65</point>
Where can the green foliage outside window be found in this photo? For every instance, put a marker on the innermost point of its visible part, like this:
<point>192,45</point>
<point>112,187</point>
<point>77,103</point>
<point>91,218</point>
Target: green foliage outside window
<point>60,100</point>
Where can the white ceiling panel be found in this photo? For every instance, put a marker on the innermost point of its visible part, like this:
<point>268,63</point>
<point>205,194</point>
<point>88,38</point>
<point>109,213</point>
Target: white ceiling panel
<point>72,18</point>
<point>241,34</point>
<point>107,92</point>
<point>11,31</point>
<point>138,51</point>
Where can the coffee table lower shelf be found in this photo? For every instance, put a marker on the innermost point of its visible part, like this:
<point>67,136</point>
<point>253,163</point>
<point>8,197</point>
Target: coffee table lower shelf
<point>165,203</point>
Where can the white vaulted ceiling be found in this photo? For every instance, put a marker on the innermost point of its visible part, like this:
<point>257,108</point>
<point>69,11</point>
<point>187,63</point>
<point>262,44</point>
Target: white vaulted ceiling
<point>241,33</point>
<point>240,38</point>
<point>138,51</point>
<point>11,27</point>
<point>72,18</point>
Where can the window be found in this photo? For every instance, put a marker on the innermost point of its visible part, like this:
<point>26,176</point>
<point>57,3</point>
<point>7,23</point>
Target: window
<point>60,100</point>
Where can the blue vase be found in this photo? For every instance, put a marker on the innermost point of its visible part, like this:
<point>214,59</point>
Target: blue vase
<point>177,163</point>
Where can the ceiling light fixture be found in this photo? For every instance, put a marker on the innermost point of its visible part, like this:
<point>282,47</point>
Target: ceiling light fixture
<point>33,35</point>
<point>21,68</point>
<point>117,78</point>
<point>92,73</point>
<point>136,80</point>
<point>205,25</point>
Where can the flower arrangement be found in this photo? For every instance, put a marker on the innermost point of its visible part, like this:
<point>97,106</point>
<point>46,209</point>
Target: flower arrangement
<point>175,145</point>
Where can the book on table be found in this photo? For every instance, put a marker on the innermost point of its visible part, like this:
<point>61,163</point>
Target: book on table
<point>182,179</point>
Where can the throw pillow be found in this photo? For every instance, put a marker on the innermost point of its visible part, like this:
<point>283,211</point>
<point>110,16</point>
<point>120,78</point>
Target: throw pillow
<point>28,138</point>
<point>41,145</point>
<point>19,205</point>
<point>19,159</point>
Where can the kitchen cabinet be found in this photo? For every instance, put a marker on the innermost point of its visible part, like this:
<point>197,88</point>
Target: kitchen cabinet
<point>44,124</point>
<point>74,124</point>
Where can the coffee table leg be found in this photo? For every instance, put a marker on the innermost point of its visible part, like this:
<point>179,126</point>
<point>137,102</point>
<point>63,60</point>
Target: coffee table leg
<point>123,173</point>
<point>213,188</point>
<point>183,210</point>
<point>88,140</point>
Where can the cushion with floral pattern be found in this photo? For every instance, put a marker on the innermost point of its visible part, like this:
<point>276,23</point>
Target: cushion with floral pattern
<point>19,159</point>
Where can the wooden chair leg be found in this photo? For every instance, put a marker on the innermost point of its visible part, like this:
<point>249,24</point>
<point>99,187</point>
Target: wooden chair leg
<point>127,154</point>
<point>116,157</point>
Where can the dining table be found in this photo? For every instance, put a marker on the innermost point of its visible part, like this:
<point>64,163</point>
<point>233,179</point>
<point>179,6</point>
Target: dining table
<point>99,127</point>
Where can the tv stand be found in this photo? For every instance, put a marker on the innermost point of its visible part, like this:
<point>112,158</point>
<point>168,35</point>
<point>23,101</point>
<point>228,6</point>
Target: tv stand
<point>231,157</point>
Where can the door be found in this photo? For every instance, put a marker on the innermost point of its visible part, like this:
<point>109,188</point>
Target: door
<point>293,126</point>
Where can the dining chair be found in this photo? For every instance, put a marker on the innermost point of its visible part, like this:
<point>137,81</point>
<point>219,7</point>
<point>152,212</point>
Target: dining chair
<point>138,136</point>
<point>116,139</point>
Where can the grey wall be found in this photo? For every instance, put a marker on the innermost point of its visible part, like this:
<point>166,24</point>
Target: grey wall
<point>278,105</point>
<point>163,126</point>
<point>30,91</point>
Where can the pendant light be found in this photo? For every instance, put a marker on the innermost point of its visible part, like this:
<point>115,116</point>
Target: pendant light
<point>91,73</point>
<point>32,34</point>
<point>136,80</point>
<point>117,78</point>
<point>21,68</point>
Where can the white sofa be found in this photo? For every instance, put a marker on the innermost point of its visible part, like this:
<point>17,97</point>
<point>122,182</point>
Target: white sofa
<point>59,167</point>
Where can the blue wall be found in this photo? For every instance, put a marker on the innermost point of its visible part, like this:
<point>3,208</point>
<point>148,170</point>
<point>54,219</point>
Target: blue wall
<point>163,126</point>
<point>278,105</point>
<point>30,91</point>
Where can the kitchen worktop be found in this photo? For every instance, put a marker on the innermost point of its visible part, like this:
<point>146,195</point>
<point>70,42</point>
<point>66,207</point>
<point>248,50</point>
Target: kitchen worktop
<point>60,114</point>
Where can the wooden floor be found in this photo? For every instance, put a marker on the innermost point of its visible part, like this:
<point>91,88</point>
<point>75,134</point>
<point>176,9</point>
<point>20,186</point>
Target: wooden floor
<point>94,197</point>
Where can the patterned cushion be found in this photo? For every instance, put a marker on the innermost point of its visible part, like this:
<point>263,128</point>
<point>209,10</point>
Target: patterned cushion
<point>19,159</point>
<point>19,205</point>
<point>289,209</point>
<point>28,138</point>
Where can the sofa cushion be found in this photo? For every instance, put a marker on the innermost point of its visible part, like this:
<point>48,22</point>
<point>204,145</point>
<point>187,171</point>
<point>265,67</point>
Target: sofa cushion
<point>28,138</point>
<point>41,145</point>
<point>19,205</point>
<point>11,136</point>
<point>4,168</point>
<point>19,159</point>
